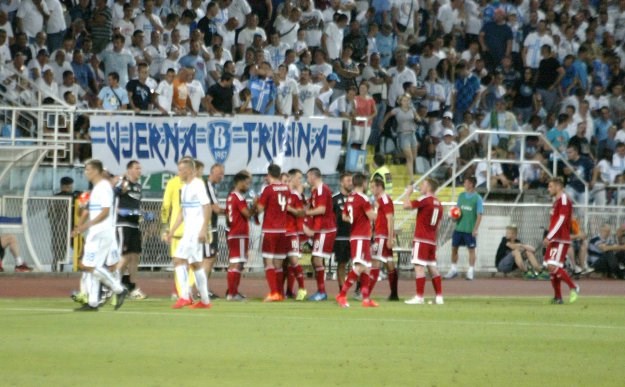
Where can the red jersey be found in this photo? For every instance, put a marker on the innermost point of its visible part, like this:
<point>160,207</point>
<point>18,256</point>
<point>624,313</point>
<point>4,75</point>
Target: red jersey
<point>294,224</point>
<point>274,199</point>
<point>326,222</point>
<point>238,226</point>
<point>429,215</point>
<point>356,208</point>
<point>560,225</point>
<point>385,208</point>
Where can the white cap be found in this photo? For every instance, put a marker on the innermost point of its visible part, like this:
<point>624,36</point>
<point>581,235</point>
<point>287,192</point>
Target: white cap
<point>448,132</point>
<point>448,114</point>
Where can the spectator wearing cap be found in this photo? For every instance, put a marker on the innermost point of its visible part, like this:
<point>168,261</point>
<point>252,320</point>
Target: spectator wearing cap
<point>439,125</point>
<point>496,40</point>
<point>246,36</point>
<point>322,104</point>
<point>113,97</point>
<point>39,65</point>
<point>347,70</point>
<point>118,60</point>
<point>466,91</point>
<point>406,117</point>
<point>446,150</point>
<point>332,38</point>
<point>386,43</point>
<point>548,77</point>
<point>399,75</point>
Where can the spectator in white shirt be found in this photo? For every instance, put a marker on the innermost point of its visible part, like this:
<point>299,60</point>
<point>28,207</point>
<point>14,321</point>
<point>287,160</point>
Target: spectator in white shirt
<point>332,38</point>
<point>55,24</point>
<point>165,92</point>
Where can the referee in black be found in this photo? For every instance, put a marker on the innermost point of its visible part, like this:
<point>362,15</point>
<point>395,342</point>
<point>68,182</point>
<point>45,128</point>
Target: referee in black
<point>342,251</point>
<point>128,190</point>
<point>215,176</point>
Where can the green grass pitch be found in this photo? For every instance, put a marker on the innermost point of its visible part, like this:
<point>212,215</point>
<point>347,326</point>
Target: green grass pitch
<point>468,341</point>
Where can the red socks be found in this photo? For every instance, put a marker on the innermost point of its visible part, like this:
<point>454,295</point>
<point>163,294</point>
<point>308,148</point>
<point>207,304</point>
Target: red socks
<point>232,281</point>
<point>280,280</point>
<point>351,278</point>
<point>564,276</point>
<point>438,287</point>
<point>364,285</point>
<point>270,276</point>
<point>420,286</point>
<point>374,274</point>
<point>320,275</point>
<point>299,275</point>
<point>555,283</point>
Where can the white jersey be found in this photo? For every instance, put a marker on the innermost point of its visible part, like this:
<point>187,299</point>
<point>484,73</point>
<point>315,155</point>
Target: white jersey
<point>192,198</point>
<point>102,197</point>
<point>286,90</point>
<point>307,95</point>
<point>165,92</point>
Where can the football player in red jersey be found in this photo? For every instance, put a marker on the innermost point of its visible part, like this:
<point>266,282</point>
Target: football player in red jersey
<point>359,212</point>
<point>429,215</point>
<point>294,229</point>
<point>558,240</point>
<point>238,215</point>
<point>323,225</point>
<point>384,238</point>
<point>273,201</point>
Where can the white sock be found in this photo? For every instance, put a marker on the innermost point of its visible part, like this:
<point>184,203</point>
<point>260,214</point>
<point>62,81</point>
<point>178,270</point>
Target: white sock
<point>104,276</point>
<point>19,261</point>
<point>94,290</point>
<point>85,282</point>
<point>183,281</point>
<point>201,282</point>
<point>453,267</point>
<point>471,269</point>
<point>116,276</point>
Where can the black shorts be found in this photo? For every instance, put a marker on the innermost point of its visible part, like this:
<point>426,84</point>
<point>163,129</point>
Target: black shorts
<point>210,249</point>
<point>342,251</point>
<point>1,252</point>
<point>129,239</point>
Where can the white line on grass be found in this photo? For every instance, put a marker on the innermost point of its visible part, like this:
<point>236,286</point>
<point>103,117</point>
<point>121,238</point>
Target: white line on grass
<point>303,318</point>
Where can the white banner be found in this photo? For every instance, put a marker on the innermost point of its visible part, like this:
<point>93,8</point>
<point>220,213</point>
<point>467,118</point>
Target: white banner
<point>240,142</point>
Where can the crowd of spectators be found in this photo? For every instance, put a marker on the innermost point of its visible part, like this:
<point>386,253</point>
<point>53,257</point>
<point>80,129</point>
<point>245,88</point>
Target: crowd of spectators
<point>554,67</point>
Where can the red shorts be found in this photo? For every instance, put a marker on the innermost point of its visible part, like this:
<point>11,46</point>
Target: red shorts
<point>275,245</point>
<point>381,252</point>
<point>293,246</point>
<point>361,251</point>
<point>423,254</point>
<point>556,254</point>
<point>323,244</point>
<point>238,250</point>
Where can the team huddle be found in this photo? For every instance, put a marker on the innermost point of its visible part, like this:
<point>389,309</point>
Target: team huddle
<point>365,226</point>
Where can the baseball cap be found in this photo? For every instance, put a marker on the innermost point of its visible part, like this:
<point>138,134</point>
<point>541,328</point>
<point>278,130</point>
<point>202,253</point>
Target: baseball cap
<point>413,60</point>
<point>448,132</point>
<point>332,77</point>
<point>66,180</point>
<point>449,115</point>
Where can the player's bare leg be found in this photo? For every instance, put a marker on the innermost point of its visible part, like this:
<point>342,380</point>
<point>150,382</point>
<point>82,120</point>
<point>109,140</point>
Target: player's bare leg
<point>359,271</point>
<point>374,273</point>
<point>10,241</point>
<point>472,259</point>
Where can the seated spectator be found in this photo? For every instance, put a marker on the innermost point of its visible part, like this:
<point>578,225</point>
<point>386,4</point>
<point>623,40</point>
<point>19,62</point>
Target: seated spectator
<point>60,65</point>
<point>606,254</point>
<point>113,97</point>
<point>497,178</point>
<point>69,84</point>
<point>39,65</point>
<point>534,176</point>
<point>602,177</point>
<point>47,85</point>
<point>580,141</point>
<point>512,254</point>
<point>579,250</point>
<point>9,241</point>
<point>82,72</point>
<point>511,170</point>
<point>446,150</point>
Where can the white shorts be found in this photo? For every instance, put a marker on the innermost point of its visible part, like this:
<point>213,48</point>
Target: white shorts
<point>190,249</point>
<point>97,249</point>
<point>114,256</point>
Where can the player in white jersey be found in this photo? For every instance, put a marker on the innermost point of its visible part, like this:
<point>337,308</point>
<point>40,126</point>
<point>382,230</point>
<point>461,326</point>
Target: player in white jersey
<point>196,214</point>
<point>100,238</point>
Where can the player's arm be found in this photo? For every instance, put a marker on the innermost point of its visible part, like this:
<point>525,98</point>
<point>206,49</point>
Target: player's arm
<point>297,212</point>
<point>319,210</point>
<point>371,214</point>
<point>478,220</point>
<point>166,205</point>
<point>206,209</point>
<point>177,224</point>
<point>98,219</point>
<point>390,221</point>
